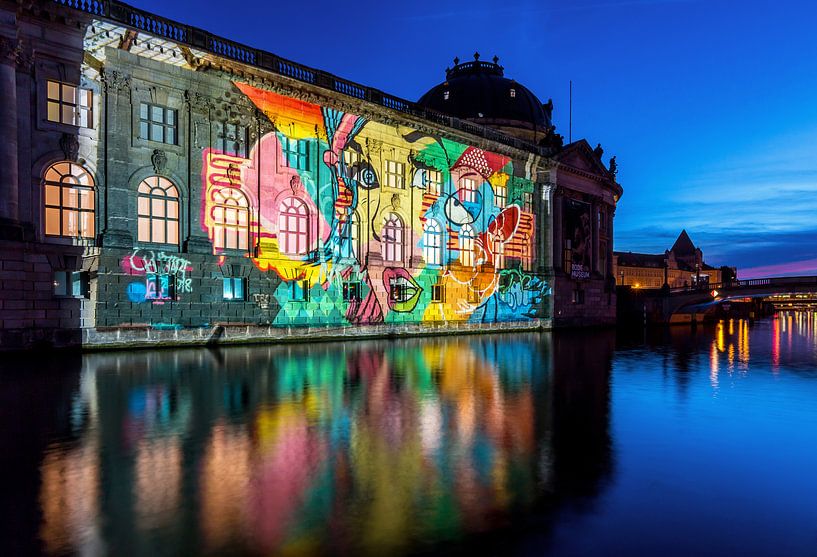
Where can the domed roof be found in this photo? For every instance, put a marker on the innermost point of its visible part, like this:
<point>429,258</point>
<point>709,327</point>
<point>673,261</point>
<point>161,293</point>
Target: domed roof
<point>480,92</point>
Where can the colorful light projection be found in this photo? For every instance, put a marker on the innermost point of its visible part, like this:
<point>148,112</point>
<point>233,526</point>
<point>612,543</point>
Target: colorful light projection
<point>367,223</point>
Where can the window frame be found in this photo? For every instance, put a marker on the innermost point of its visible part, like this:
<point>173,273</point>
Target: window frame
<point>170,198</point>
<point>437,293</point>
<point>84,186</point>
<point>71,279</point>
<point>392,247</point>
<point>299,291</point>
<point>158,288</point>
<point>232,282</point>
<point>294,210</point>
<point>467,258</point>
<point>147,123</point>
<point>501,201</point>
<point>352,291</point>
<point>226,229</point>
<point>394,174</point>
<point>432,242</point>
<point>78,110</point>
<point>291,150</point>
<point>239,139</point>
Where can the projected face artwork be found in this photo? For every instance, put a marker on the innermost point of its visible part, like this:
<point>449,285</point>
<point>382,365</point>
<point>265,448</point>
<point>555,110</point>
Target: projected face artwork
<point>367,223</point>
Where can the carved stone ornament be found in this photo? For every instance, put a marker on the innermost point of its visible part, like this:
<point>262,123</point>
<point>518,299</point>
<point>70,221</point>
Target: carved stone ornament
<point>70,146</point>
<point>395,201</point>
<point>295,185</point>
<point>8,49</point>
<point>115,81</point>
<point>197,101</point>
<point>159,161</point>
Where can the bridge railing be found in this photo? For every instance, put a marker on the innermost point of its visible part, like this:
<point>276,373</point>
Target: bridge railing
<point>748,283</point>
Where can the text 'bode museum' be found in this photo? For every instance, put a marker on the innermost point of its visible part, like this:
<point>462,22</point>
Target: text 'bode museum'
<point>165,184</point>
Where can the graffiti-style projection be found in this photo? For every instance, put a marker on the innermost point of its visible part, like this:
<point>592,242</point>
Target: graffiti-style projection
<point>367,223</point>
<point>165,275</point>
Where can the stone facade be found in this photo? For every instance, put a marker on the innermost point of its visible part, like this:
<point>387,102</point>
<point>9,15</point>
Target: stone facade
<point>160,192</point>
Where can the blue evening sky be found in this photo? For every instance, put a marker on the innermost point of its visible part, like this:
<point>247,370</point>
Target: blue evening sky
<point>709,105</point>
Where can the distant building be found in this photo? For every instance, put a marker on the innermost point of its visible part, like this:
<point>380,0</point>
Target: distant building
<point>682,265</point>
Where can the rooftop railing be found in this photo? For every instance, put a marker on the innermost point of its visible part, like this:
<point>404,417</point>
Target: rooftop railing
<point>140,20</point>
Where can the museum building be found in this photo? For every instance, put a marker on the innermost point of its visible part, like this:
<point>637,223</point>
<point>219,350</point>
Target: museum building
<point>166,185</point>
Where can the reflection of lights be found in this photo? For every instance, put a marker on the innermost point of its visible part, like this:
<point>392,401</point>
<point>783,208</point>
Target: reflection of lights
<point>776,344</point>
<point>158,481</point>
<point>721,337</point>
<point>713,366</point>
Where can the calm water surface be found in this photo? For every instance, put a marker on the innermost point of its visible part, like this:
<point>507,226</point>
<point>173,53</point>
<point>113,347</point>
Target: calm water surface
<point>576,443</point>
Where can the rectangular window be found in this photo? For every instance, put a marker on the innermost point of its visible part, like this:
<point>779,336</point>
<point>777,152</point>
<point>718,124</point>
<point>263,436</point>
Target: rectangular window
<point>351,157</point>
<point>527,202</point>
<point>158,123</point>
<point>68,104</point>
<point>578,296</point>
<point>438,293</point>
<point>160,286</point>
<point>398,290</point>
<point>300,291</point>
<point>71,284</point>
<point>231,139</point>
<point>394,174</point>
<point>434,182</point>
<point>469,190</point>
<point>296,153</point>
<point>500,196</point>
<point>233,288</point>
<point>351,291</point>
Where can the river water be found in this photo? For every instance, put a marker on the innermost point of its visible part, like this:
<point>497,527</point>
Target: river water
<point>682,442</point>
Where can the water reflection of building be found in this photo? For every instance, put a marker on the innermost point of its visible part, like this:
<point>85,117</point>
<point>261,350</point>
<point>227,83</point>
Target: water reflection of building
<point>282,449</point>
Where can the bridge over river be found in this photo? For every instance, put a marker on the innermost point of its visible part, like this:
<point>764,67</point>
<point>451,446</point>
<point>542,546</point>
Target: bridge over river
<point>690,304</point>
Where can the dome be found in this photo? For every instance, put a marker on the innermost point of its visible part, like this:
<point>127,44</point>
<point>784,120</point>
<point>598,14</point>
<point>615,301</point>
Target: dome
<point>479,92</point>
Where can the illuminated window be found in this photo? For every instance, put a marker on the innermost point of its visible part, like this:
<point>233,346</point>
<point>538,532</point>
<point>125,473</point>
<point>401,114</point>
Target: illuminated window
<point>158,211</point>
<point>158,123</point>
<point>446,95</point>
<point>391,238</point>
<point>467,236</point>
<point>231,217</point>
<point>499,252</point>
<point>438,293</point>
<point>468,191</point>
<point>394,174</point>
<point>69,201</point>
<point>233,288</point>
<point>433,182</point>
<point>231,139</point>
<point>513,93</point>
<point>73,284</point>
<point>527,202</point>
<point>293,227</point>
<point>296,153</point>
<point>351,291</point>
<point>500,196</point>
<point>68,104</point>
<point>432,242</point>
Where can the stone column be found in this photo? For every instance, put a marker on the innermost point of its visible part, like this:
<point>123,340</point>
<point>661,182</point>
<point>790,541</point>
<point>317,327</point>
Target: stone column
<point>545,227</point>
<point>557,252</point>
<point>594,258</point>
<point>9,188</point>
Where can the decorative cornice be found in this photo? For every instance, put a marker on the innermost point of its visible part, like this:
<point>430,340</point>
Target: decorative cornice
<point>115,81</point>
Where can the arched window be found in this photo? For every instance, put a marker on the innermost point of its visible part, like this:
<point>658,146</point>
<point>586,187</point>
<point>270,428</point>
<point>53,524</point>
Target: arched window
<point>158,211</point>
<point>467,236</point>
<point>69,201</point>
<point>293,227</point>
<point>499,252</point>
<point>432,242</point>
<point>231,218</point>
<point>391,239</point>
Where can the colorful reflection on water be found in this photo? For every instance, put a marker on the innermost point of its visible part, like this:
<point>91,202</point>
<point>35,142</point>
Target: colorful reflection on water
<point>364,448</point>
<point>682,442</point>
